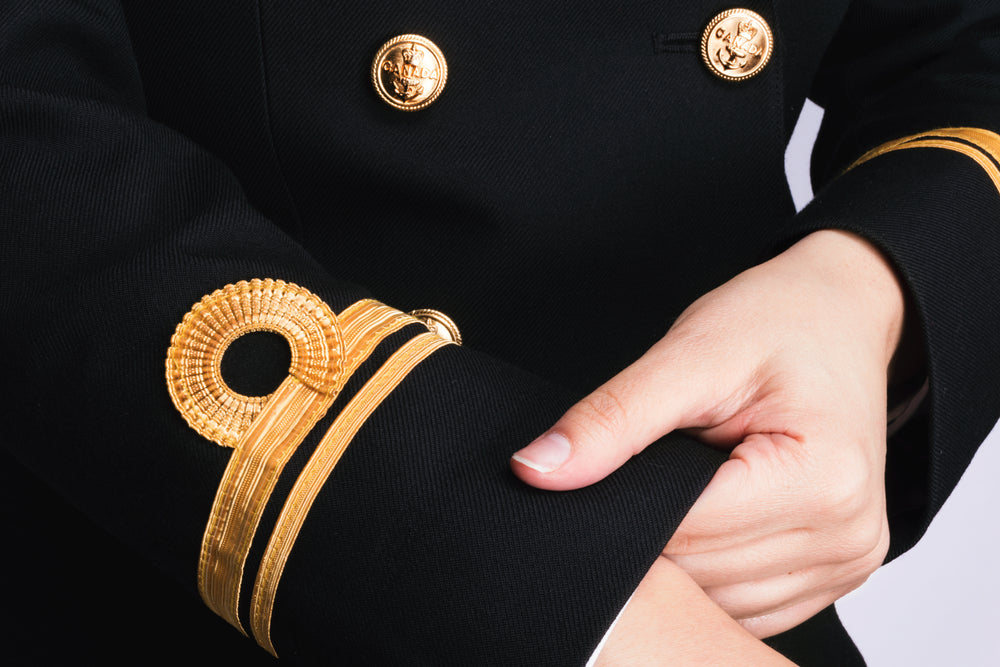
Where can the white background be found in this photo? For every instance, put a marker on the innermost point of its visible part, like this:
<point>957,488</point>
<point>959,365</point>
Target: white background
<point>939,604</point>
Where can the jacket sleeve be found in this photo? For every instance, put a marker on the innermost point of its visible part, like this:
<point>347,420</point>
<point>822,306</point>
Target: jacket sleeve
<point>907,157</point>
<point>421,547</point>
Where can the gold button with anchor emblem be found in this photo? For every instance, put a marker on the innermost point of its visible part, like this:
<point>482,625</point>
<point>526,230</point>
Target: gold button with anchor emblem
<point>409,72</point>
<point>736,44</point>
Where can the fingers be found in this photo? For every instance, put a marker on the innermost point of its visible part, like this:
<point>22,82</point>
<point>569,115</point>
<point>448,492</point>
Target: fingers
<point>600,433</point>
<point>774,483</point>
<point>783,529</point>
<point>772,605</point>
<point>771,596</point>
<point>782,554</point>
<point>777,622</point>
<point>781,580</point>
<point>788,551</point>
<point>756,493</point>
<point>771,556</point>
<point>699,376</point>
<point>789,589</point>
<point>659,392</point>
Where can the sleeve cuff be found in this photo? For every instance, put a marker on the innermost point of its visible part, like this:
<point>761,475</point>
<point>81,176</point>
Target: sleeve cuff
<point>404,514</point>
<point>930,202</point>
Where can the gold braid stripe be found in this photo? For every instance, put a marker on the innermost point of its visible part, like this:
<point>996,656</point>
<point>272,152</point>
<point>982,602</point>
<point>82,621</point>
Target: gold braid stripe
<point>318,469</point>
<point>984,148</point>
<point>264,431</point>
<point>249,479</point>
<point>365,324</point>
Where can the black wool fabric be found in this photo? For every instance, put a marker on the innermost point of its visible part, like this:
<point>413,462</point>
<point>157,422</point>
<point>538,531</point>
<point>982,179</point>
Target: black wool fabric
<point>582,178</point>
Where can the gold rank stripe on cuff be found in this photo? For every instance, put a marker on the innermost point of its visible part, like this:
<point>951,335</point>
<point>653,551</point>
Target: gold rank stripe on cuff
<point>247,484</point>
<point>261,456</point>
<point>981,145</point>
<point>264,431</point>
<point>319,468</point>
<point>365,324</point>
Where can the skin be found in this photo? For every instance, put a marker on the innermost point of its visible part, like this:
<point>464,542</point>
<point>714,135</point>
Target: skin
<point>786,367</point>
<point>670,621</point>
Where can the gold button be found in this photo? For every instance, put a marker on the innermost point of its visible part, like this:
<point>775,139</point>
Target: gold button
<point>737,44</point>
<point>409,72</point>
<point>439,323</point>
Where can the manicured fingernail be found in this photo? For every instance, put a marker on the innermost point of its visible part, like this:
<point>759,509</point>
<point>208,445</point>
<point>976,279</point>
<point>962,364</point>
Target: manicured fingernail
<point>545,454</point>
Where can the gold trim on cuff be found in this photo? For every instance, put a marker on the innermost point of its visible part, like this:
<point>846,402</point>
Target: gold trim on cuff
<point>318,469</point>
<point>981,145</point>
<point>194,378</point>
<point>263,431</point>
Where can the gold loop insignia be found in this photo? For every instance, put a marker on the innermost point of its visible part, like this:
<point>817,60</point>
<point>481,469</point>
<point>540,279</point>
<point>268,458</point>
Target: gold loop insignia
<point>264,431</point>
<point>194,376</point>
<point>736,44</point>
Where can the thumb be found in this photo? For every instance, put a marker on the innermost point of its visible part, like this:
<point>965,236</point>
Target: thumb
<point>596,436</point>
<point>757,492</point>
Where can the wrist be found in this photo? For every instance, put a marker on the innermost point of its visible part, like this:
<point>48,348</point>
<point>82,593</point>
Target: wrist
<point>855,269</point>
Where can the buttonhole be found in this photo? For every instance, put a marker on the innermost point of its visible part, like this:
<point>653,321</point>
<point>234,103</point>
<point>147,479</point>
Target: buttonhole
<point>675,42</point>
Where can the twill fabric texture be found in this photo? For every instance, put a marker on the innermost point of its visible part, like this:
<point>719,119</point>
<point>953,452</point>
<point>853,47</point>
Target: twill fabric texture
<point>580,180</point>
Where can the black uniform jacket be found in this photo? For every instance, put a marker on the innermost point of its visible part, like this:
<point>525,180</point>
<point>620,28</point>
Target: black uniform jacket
<point>580,180</point>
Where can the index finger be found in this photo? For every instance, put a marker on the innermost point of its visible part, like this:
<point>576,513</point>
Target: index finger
<point>757,492</point>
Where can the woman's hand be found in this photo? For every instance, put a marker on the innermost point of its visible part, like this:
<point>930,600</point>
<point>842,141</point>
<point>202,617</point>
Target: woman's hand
<point>786,364</point>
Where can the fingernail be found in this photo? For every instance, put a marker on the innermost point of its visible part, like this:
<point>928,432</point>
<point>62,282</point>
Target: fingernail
<point>545,454</point>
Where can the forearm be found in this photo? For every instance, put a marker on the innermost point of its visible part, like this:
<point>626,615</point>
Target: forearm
<point>670,621</point>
